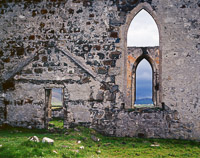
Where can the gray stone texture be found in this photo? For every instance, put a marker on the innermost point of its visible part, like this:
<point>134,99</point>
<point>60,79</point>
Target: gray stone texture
<point>80,46</point>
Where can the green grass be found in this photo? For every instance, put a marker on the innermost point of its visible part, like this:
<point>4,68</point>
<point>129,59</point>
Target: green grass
<point>143,105</point>
<point>15,145</point>
<point>56,122</point>
<point>56,104</point>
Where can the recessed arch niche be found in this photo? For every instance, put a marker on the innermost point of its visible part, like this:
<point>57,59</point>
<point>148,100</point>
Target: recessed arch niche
<point>133,54</point>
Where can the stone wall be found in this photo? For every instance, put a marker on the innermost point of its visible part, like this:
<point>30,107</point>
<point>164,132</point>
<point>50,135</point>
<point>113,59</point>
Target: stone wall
<point>58,113</point>
<point>2,110</point>
<point>151,123</point>
<point>134,56</point>
<point>80,46</point>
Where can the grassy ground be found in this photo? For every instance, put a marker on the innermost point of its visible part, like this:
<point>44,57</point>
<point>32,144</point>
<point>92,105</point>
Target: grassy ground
<point>56,122</point>
<point>14,144</point>
<point>143,105</point>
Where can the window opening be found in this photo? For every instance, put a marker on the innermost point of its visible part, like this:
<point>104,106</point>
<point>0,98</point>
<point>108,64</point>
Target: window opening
<point>55,111</point>
<point>143,31</point>
<point>144,85</point>
<point>56,100</point>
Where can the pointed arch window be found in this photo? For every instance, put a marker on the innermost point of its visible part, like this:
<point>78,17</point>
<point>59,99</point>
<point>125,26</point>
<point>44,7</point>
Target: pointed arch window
<point>143,31</point>
<point>144,84</point>
<point>143,58</point>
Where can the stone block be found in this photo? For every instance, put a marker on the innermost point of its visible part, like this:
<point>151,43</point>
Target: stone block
<point>79,91</point>
<point>100,96</point>
<point>80,113</point>
<point>102,70</point>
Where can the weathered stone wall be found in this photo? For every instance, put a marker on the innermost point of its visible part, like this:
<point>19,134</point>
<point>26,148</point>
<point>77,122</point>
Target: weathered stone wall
<point>25,105</point>
<point>2,110</point>
<point>134,56</point>
<point>80,46</point>
<point>152,123</point>
<point>180,61</point>
<point>58,113</point>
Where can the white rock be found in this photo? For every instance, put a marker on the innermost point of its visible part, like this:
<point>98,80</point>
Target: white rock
<point>78,141</point>
<point>98,151</point>
<point>155,145</point>
<point>55,151</point>
<point>22,17</point>
<point>47,140</point>
<point>1,145</point>
<point>81,147</point>
<point>34,139</point>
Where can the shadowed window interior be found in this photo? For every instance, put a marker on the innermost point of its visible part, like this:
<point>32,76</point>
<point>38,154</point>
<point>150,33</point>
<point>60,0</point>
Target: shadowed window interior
<point>144,83</point>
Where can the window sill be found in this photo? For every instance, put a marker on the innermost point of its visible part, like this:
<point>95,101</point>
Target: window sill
<point>146,109</point>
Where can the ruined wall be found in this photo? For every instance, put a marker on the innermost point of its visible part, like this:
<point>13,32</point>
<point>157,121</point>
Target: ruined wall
<point>80,46</point>
<point>134,56</point>
<point>58,113</point>
<point>180,62</point>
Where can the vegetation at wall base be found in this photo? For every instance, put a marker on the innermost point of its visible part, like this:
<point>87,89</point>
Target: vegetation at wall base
<point>77,142</point>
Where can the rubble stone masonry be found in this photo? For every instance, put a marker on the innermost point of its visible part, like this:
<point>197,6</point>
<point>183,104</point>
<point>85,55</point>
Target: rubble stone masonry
<point>81,47</point>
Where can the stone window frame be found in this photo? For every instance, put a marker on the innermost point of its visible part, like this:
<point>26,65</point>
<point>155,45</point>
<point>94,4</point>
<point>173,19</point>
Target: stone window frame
<point>46,109</point>
<point>154,78</point>
<point>123,34</point>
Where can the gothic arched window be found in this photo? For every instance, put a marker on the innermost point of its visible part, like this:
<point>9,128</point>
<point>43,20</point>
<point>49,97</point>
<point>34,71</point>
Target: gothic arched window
<point>144,83</point>
<point>143,31</point>
<point>143,58</point>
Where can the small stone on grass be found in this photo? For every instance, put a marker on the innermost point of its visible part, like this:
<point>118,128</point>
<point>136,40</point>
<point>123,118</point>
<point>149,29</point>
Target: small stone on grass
<point>155,144</point>
<point>107,144</point>
<point>95,139</point>
<point>98,151</point>
<point>76,129</point>
<point>66,133</point>
<point>47,140</point>
<point>55,151</point>
<point>34,139</point>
